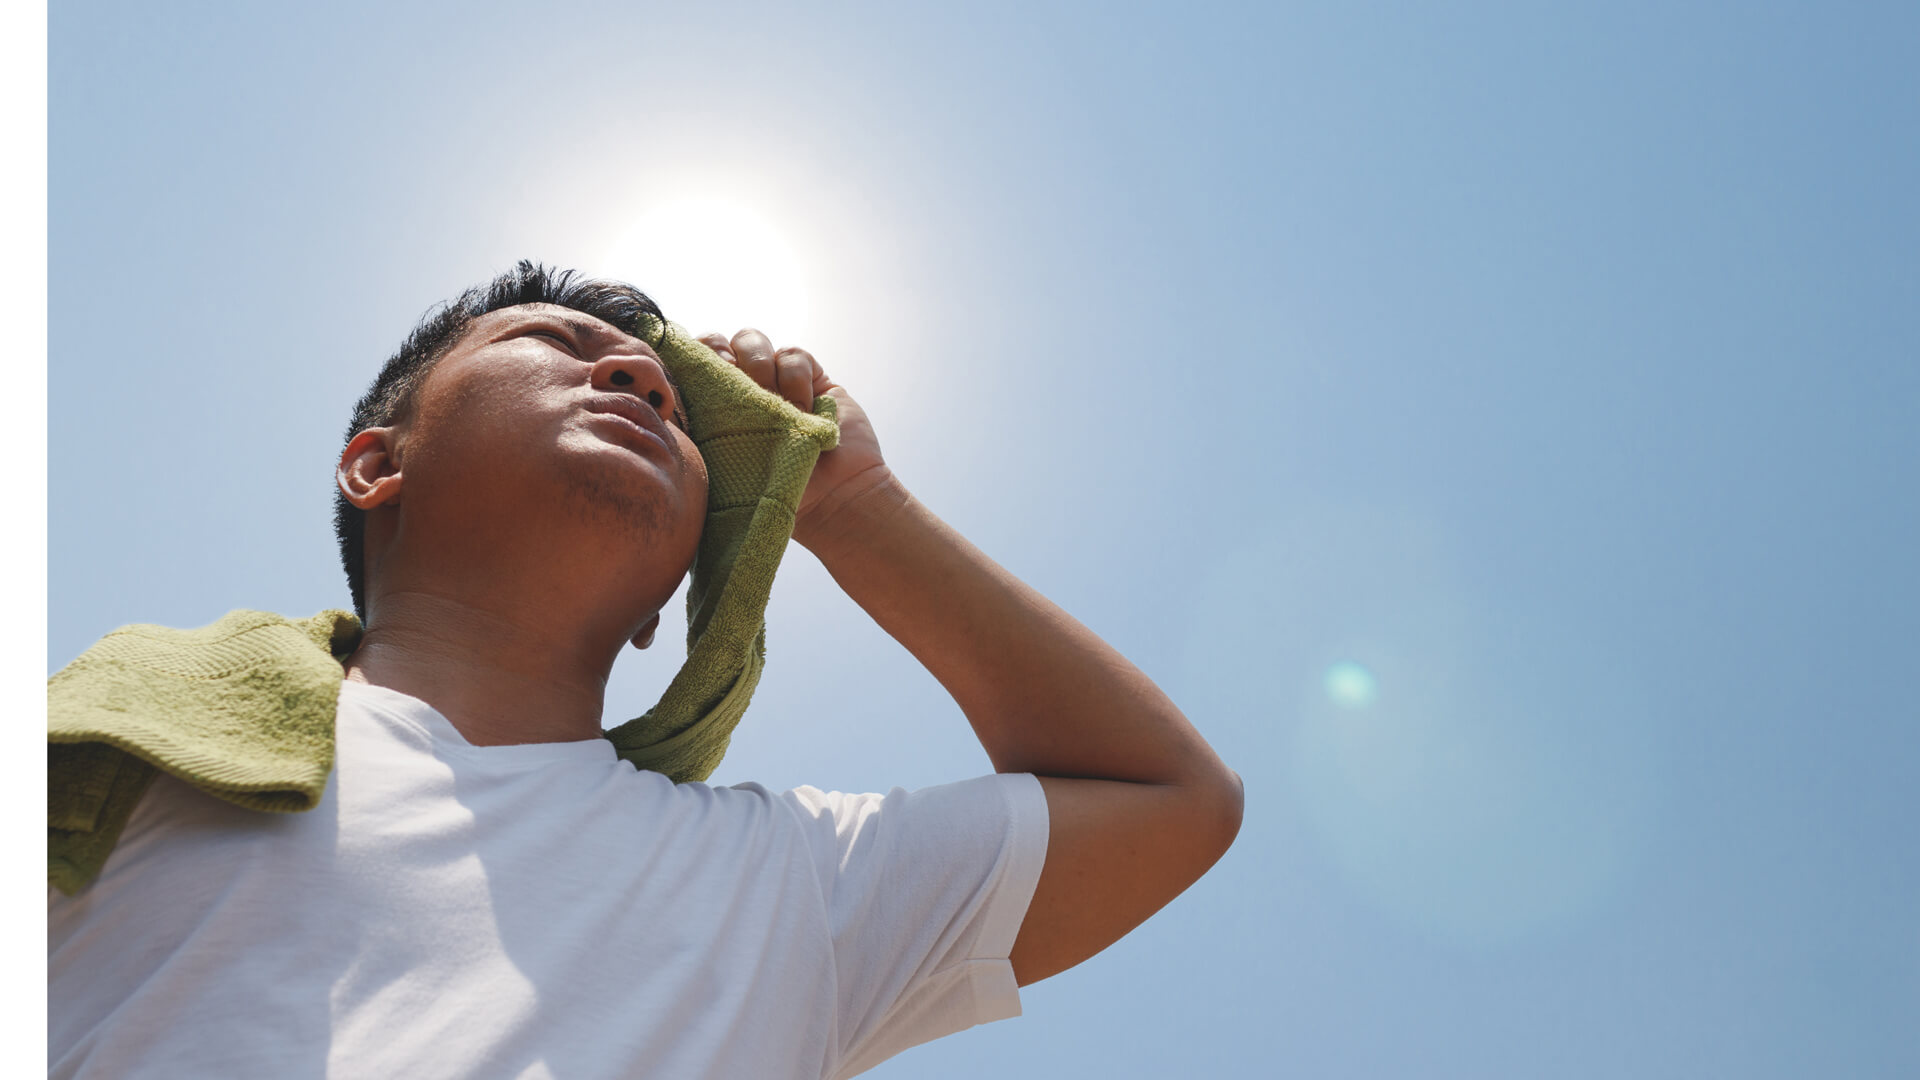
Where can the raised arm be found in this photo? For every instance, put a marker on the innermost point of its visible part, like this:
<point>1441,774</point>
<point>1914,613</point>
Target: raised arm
<point>1140,806</point>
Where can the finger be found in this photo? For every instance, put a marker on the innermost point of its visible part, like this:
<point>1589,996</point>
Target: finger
<point>753,353</point>
<point>718,343</point>
<point>821,382</point>
<point>793,368</point>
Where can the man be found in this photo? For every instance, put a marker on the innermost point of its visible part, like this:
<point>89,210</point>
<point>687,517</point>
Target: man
<point>485,890</point>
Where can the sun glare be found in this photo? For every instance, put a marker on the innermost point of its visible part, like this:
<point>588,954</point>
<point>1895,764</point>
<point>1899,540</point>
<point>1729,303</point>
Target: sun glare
<point>715,264</point>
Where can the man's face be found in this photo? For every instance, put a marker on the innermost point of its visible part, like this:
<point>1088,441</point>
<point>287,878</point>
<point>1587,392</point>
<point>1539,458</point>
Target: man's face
<point>546,427</point>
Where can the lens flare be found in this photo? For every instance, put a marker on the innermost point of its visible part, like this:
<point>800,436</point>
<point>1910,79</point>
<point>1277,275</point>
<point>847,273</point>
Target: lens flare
<point>1501,787</point>
<point>1350,685</point>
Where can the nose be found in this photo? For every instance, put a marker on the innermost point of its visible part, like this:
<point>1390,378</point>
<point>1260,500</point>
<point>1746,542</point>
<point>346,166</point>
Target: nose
<point>639,375</point>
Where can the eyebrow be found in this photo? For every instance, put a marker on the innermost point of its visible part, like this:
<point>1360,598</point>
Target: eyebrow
<point>602,330</point>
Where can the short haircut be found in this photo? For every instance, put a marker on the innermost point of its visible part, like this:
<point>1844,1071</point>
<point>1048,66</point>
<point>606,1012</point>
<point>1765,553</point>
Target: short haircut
<point>387,401</point>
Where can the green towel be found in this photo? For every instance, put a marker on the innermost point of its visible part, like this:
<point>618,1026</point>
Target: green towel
<point>759,451</point>
<point>244,708</point>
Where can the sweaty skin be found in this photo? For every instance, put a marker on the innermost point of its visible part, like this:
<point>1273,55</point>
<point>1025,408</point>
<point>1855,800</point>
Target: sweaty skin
<point>527,518</point>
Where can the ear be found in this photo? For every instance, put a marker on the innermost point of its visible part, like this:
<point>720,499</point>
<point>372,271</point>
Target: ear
<point>645,637</point>
<point>369,473</point>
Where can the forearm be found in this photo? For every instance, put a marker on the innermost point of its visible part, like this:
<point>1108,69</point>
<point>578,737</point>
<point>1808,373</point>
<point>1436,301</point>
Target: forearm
<point>1044,694</point>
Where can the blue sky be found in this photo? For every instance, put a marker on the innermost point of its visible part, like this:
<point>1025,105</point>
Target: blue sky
<point>1545,373</point>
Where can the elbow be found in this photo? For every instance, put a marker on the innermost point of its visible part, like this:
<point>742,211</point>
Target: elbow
<point>1236,811</point>
<point>1226,807</point>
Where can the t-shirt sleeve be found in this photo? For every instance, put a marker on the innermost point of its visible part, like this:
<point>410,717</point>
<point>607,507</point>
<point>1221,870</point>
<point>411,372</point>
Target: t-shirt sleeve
<point>925,891</point>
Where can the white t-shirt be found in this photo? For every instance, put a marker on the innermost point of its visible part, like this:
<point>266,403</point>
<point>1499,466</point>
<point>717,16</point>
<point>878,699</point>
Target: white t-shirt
<point>545,910</point>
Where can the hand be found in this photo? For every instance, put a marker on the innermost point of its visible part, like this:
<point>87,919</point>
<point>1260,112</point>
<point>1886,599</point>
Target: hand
<point>852,468</point>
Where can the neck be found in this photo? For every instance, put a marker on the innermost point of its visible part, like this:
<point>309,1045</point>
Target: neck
<point>499,676</point>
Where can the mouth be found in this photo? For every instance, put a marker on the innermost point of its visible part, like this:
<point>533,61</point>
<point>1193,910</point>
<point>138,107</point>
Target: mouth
<point>632,415</point>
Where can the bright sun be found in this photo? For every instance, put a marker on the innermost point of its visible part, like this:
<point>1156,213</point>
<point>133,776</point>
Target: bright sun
<point>713,264</point>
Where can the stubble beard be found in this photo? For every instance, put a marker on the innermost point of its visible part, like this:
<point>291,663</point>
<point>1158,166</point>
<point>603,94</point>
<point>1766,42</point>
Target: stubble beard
<point>602,503</point>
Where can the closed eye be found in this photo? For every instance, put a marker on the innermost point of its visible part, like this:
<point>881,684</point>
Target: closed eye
<point>561,338</point>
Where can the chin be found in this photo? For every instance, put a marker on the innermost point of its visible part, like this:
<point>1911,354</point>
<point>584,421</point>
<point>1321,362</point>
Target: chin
<point>627,510</point>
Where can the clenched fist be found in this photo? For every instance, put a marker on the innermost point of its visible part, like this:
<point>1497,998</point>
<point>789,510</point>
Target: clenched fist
<point>852,468</point>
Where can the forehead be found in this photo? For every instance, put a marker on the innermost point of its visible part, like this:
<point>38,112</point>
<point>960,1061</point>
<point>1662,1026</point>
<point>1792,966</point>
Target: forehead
<point>494,324</point>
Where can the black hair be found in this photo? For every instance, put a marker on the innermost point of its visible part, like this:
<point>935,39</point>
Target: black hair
<point>386,402</point>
